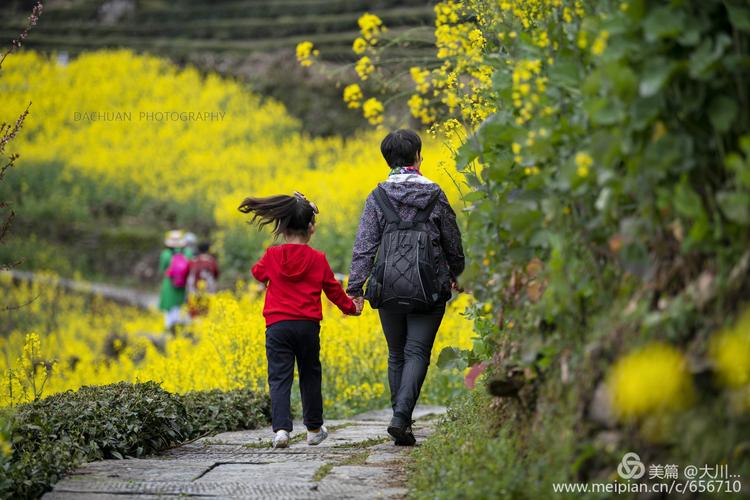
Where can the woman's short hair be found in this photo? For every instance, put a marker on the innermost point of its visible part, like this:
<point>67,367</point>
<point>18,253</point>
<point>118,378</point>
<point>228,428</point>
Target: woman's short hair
<point>401,147</point>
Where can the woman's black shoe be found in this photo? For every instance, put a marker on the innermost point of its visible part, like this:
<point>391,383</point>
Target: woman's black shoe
<point>401,434</point>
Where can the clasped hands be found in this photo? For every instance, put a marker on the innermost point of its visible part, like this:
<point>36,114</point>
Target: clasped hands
<point>359,302</point>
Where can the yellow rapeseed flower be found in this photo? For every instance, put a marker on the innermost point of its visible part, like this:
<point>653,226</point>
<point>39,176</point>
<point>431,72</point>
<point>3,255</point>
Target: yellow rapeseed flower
<point>305,52</point>
<point>730,352</point>
<point>353,96</point>
<point>5,448</point>
<point>651,380</point>
<point>359,45</point>
<point>420,76</point>
<point>372,109</point>
<point>370,25</point>
<point>600,44</point>
<point>583,163</point>
<point>364,67</point>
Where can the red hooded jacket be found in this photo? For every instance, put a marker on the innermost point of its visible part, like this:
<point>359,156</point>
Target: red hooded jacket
<point>295,276</point>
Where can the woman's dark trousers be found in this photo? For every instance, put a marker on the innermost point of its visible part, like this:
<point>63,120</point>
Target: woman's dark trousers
<point>410,337</point>
<point>285,341</point>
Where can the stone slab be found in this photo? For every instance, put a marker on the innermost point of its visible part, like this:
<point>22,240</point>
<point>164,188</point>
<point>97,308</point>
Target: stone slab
<point>238,465</point>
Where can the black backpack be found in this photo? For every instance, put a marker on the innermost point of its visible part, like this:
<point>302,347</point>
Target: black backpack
<point>407,269</point>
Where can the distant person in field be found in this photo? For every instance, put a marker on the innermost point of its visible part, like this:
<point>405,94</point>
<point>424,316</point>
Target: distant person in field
<point>174,266</point>
<point>408,250</point>
<point>202,280</point>
<point>191,243</point>
<point>295,275</point>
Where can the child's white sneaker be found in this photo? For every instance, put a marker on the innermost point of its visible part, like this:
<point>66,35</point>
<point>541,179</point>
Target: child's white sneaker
<point>315,438</point>
<point>281,439</point>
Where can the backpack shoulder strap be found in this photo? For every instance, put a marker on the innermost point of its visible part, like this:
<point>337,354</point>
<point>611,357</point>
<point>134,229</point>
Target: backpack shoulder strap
<point>425,213</point>
<point>381,198</point>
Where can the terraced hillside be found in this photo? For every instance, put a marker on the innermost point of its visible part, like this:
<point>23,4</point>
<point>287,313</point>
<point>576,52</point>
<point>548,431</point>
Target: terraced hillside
<point>184,28</point>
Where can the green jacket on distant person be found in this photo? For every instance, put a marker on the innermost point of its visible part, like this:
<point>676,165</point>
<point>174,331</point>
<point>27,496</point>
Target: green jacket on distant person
<point>169,295</point>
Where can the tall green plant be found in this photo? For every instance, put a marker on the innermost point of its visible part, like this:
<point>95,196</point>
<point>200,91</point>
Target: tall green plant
<point>616,165</point>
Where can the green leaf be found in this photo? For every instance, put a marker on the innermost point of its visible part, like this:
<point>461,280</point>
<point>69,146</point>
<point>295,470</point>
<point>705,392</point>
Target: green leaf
<point>722,112</point>
<point>739,16</point>
<point>691,33</point>
<point>624,79</point>
<point>735,205</point>
<point>735,163</point>
<point>565,73</point>
<point>498,170</point>
<point>687,202</point>
<point>452,357</point>
<point>467,153</point>
<point>604,111</point>
<point>475,196</point>
<point>643,112</point>
<point>745,144</point>
<point>698,232</point>
<point>495,131</point>
<point>708,53</point>
<point>657,74</point>
<point>663,22</point>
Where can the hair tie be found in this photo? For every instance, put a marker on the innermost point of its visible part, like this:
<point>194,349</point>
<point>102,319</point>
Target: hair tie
<point>301,196</point>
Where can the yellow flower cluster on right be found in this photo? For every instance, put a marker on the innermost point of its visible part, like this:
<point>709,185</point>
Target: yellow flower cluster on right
<point>651,380</point>
<point>527,83</point>
<point>730,352</point>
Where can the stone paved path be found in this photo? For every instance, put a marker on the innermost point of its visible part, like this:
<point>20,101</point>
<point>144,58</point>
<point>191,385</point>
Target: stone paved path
<point>357,461</point>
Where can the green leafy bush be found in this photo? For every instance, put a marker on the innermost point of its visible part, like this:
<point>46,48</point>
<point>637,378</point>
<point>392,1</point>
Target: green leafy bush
<point>51,436</point>
<point>634,178</point>
<point>217,411</point>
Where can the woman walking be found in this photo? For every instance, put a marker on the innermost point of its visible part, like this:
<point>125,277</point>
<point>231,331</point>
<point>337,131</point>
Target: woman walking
<point>174,265</point>
<point>408,249</point>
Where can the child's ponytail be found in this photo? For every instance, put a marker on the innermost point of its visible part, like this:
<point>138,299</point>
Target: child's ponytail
<point>288,214</point>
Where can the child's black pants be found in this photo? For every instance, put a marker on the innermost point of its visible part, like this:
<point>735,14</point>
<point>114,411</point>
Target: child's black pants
<point>285,342</point>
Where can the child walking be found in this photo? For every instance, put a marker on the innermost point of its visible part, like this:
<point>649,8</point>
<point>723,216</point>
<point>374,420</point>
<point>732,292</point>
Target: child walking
<point>295,275</point>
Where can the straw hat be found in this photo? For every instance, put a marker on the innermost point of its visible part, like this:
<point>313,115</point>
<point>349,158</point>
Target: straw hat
<point>174,239</point>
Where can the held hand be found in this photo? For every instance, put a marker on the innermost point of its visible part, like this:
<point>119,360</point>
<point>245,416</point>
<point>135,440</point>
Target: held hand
<point>359,303</point>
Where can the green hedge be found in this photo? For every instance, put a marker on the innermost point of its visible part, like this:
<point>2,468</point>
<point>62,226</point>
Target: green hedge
<point>52,436</point>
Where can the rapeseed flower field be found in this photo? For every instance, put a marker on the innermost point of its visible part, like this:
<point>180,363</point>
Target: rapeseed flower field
<point>203,142</point>
<point>64,341</point>
<point>198,144</point>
